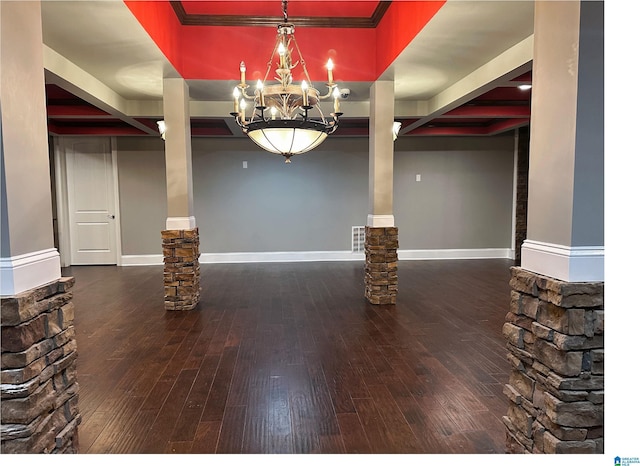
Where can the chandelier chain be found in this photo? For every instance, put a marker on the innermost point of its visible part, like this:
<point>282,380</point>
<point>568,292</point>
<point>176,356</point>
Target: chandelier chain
<point>302,62</point>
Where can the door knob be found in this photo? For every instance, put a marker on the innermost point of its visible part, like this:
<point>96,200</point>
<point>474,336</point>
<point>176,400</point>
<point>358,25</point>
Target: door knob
<point>111,216</point>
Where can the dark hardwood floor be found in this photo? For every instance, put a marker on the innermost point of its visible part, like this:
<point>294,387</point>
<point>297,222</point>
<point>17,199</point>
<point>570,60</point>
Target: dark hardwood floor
<point>290,358</point>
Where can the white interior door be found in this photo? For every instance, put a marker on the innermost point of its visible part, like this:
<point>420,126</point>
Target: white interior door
<point>92,201</point>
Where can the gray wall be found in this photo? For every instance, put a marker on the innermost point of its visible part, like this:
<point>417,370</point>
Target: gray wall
<point>464,200</point>
<point>588,197</point>
<point>307,205</point>
<point>143,194</point>
<point>566,181</point>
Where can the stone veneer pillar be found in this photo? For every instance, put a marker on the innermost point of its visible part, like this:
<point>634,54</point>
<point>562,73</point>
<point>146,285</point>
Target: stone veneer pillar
<point>39,382</point>
<point>555,337</point>
<point>181,250</point>
<point>522,191</point>
<point>381,264</point>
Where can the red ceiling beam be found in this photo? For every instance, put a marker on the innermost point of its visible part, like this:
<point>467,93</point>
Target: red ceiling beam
<point>506,125</point>
<point>73,130</point>
<point>505,93</point>
<point>202,131</point>
<point>493,111</point>
<point>490,130</point>
<point>523,78</point>
<point>149,123</point>
<point>351,132</point>
<point>448,131</point>
<point>75,111</point>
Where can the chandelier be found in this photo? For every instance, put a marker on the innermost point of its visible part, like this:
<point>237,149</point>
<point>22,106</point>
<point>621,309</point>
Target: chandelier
<point>286,118</point>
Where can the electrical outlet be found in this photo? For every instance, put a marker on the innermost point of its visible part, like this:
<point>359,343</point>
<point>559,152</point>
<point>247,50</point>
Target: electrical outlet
<point>244,164</point>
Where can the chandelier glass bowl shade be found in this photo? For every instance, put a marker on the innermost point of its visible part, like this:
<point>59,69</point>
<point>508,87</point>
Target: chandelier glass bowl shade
<point>286,118</point>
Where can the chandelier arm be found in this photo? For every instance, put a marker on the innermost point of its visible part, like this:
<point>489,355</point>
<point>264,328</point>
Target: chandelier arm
<point>240,122</point>
<point>255,116</point>
<point>329,93</point>
<point>324,119</point>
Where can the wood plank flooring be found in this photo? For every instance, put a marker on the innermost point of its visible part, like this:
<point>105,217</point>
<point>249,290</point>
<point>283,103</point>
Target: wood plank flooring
<point>290,358</point>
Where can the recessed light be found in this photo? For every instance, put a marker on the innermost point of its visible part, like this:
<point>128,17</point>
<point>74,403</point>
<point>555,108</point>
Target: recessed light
<point>524,87</point>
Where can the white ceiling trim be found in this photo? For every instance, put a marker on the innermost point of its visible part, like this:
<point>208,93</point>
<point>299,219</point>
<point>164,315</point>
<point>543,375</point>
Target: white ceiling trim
<point>506,66</point>
<point>74,79</point>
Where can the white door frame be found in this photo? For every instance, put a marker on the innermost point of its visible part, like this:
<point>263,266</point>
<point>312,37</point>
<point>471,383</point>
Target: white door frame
<point>62,199</point>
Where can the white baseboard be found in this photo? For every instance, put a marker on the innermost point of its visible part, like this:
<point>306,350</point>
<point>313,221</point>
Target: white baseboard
<point>570,264</point>
<point>28,271</point>
<point>145,259</point>
<point>328,256</point>
<point>448,254</point>
<point>294,256</point>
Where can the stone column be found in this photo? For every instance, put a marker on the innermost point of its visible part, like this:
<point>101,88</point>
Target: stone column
<point>555,338</point>
<point>381,234</point>
<point>39,380</point>
<point>381,264</point>
<point>181,269</point>
<point>555,326</point>
<point>180,240</point>
<point>522,191</point>
<point>38,374</point>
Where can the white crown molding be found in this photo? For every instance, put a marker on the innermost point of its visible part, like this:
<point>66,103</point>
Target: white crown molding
<point>28,271</point>
<point>570,264</point>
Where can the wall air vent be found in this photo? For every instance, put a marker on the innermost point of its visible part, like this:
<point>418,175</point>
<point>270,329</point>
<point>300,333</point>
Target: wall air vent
<point>357,239</point>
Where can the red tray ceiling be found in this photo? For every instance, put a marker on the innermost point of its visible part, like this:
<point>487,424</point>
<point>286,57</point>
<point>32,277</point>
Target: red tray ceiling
<point>214,52</point>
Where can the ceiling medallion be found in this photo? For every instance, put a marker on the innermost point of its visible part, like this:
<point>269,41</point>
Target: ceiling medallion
<point>286,118</point>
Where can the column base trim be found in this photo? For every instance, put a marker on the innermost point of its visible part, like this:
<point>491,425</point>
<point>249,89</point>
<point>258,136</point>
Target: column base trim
<point>27,271</point>
<point>181,223</point>
<point>380,221</point>
<point>566,263</point>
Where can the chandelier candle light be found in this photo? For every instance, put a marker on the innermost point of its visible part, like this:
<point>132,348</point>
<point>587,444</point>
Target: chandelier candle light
<point>287,128</point>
